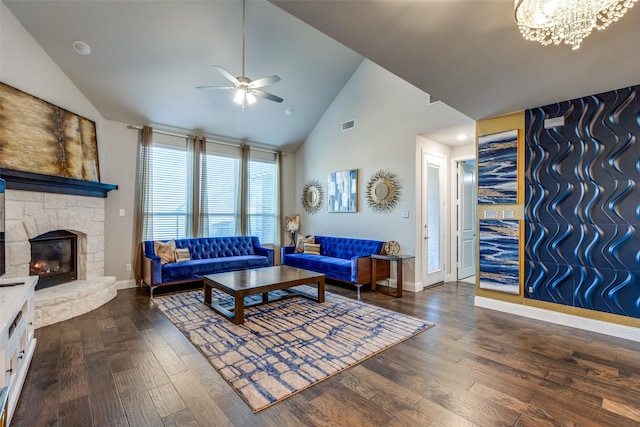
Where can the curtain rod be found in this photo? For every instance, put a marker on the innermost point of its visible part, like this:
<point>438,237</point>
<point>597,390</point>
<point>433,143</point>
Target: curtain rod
<point>179,135</point>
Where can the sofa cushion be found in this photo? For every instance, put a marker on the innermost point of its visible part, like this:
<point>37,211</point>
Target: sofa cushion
<point>312,248</point>
<point>336,268</point>
<point>166,251</point>
<point>340,247</point>
<point>182,254</point>
<point>217,247</point>
<point>302,241</point>
<point>197,268</point>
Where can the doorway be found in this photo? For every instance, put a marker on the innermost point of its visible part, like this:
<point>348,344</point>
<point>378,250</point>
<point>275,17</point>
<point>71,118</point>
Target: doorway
<point>466,216</point>
<point>433,219</point>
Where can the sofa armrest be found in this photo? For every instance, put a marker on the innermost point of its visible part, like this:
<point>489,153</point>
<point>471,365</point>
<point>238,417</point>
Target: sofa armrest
<point>261,250</point>
<point>151,268</point>
<point>285,250</point>
<point>361,269</point>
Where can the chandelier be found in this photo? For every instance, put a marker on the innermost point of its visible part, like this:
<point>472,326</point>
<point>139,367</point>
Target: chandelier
<point>571,21</point>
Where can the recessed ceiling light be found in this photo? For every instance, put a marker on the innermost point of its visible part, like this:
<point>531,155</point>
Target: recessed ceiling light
<point>461,137</point>
<point>289,111</point>
<point>81,47</point>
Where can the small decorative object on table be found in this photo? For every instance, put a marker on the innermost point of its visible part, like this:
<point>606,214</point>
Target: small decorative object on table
<point>392,248</point>
<point>293,227</point>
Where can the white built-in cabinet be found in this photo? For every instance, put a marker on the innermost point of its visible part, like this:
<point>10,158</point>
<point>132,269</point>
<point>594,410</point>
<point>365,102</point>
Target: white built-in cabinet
<point>17,341</point>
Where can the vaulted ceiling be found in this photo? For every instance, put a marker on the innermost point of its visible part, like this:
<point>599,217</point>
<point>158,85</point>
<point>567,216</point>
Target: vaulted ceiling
<point>148,56</point>
<point>470,54</point>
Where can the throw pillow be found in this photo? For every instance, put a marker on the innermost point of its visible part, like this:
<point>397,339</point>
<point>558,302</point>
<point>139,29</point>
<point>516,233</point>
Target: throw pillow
<point>183,254</point>
<point>166,251</point>
<point>312,248</point>
<point>301,241</point>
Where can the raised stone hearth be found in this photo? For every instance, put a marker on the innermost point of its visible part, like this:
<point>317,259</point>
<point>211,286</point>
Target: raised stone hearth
<point>72,299</point>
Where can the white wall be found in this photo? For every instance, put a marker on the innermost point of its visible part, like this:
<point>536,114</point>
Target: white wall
<point>120,160</point>
<point>389,113</point>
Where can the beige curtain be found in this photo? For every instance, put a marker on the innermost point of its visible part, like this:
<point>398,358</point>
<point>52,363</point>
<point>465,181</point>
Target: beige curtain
<point>244,190</point>
<point>197,226</point>
<point>144,198</point>
<point>279,229</point>
<point>203,217</point>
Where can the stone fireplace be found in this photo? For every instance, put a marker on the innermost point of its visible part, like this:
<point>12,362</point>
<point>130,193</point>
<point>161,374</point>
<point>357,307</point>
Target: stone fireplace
<point>30,214</point>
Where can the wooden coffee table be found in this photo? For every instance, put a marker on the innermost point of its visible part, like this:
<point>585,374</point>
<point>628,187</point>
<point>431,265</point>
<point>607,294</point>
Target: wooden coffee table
<point>241,283</point>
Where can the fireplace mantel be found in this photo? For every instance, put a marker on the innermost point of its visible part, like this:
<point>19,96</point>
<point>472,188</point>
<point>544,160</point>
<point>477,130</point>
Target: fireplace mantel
<point>28,181</point>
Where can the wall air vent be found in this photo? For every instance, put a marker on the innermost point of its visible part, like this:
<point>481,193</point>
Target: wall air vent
<point>348,125</point>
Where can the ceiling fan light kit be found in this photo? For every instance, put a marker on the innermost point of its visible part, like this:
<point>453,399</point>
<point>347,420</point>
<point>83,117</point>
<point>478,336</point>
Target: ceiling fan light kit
<point>571,21</point>
<point>246,89</point>
<point>243,96</point>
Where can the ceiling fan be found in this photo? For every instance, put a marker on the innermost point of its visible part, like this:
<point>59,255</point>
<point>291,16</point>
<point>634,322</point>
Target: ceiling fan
<point>246,89</point>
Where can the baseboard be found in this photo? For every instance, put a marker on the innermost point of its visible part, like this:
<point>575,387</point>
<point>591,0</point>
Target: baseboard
<point>125,284</point>
<point>564,319</point>
<point>407,287</point>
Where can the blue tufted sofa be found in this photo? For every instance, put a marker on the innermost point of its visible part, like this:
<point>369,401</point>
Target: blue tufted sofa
<point>208,255</point>
<point>343,259</point>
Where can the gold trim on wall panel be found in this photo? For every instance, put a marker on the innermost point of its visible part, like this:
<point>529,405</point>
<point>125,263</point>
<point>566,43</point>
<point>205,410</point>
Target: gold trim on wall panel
<point>488,127</point>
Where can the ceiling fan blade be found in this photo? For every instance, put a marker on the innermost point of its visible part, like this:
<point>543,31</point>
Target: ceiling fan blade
<point>227,74</point>
<point>264,81</point>
<point>266,95</point>
<point>216,87</point>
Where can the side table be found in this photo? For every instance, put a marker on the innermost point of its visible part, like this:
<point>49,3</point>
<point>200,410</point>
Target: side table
<point>398,259</point>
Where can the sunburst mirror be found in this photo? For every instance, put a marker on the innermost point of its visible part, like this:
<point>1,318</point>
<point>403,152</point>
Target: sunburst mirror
<point>312,196</point>
<point>383,191</point>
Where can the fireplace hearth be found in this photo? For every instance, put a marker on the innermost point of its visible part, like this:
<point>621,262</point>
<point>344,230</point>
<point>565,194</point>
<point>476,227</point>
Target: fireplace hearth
<point>54,258</point>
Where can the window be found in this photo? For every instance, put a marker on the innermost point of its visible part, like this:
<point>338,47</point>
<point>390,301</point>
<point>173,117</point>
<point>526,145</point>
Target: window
<point>169,214</point>
<point>222,189</point>
<point>168,210</point>
<point>262,200</point>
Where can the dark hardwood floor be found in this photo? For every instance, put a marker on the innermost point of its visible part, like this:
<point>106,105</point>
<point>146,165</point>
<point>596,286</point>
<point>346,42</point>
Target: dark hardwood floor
<point>124,364</point>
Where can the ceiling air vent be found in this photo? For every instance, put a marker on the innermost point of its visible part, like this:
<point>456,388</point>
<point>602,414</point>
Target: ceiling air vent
<point>348,125</point>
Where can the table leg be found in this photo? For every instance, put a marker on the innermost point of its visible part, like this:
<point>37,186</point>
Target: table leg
<point>399,278</point>
<point>321,290</point>
<point>238,312</point>
<point>374,273</point>
<point>207,294</point>
<point>265,297</point>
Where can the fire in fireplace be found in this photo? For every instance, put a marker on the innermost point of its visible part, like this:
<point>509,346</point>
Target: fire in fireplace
<point>54,258</point>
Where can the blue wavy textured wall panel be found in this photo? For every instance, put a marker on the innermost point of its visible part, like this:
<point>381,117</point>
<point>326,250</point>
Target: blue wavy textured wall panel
<point>582,203</point>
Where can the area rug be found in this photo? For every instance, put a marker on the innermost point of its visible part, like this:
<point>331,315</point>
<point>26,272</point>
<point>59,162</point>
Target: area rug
<point>286,346</point>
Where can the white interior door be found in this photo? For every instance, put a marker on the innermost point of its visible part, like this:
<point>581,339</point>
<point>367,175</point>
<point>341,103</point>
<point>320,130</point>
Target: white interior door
<point>466,220</point>
<point>433,224</point>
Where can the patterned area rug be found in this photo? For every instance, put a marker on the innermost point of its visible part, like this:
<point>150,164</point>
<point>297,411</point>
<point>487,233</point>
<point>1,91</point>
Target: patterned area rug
<point>286,346</point>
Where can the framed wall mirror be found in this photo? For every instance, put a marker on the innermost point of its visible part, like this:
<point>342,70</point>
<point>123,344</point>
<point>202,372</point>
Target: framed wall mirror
<point>383,191</point>
<point>312,196</point>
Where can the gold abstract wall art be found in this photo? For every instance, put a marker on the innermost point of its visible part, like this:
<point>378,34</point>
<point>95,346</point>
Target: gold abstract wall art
<point>39,137</point>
